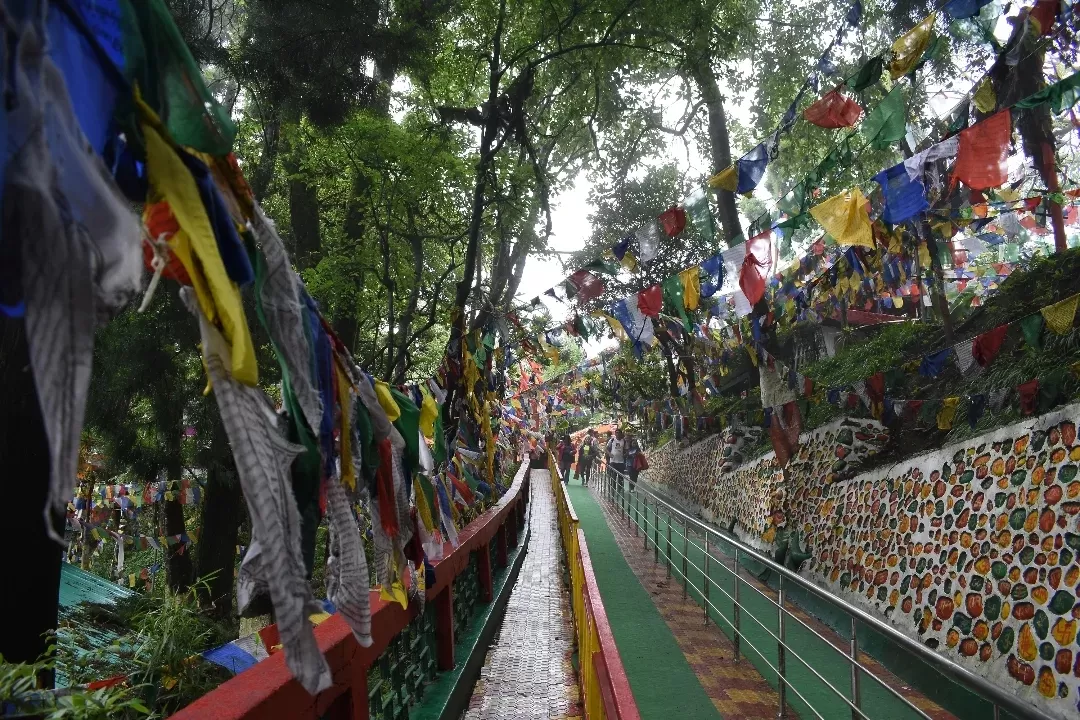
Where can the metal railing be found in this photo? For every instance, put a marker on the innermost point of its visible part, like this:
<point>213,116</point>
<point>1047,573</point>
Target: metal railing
<point>730,553</point>
<point>605,689</point>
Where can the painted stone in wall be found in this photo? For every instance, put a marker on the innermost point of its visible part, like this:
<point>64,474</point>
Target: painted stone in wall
<point>972,550</point>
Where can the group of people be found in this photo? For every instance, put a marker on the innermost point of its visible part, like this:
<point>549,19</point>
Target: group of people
<point>622,455</point>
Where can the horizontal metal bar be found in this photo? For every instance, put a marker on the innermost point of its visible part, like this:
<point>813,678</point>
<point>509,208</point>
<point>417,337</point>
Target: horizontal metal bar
<point>964,677</point>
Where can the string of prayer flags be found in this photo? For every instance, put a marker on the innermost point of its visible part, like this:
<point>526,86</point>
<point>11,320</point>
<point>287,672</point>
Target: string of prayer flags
<point>910,47</point>
<point>1061,95</point>
<point>638,327</point>
<point>886,123</point>
<point>833,110</point>
<point>1029,395</point>
<point>942,150</point>
<point>673,221</point>
<point>904,197</point>
<point>752,168</point>
<point>982,160</point>
<point>844,216</point>
<point>1059,316</point>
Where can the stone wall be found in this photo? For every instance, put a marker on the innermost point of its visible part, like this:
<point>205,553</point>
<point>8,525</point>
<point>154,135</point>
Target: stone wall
<point>972,549</point>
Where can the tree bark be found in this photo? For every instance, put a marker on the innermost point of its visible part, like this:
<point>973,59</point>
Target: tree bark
<point>303,213</point>
<point>179,569</point>
<point>33,566</point>
<point>216,549</point>
<point>719,144</point>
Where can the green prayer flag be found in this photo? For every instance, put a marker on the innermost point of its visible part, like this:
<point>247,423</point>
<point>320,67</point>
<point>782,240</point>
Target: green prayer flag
<point>794,223</point>
<point>869,74</point>
<point>1062,95</point>
<point>697,209</point>
<point>408,424</point>
<point>581,328</point>
<point>1032,326</point>
<point>673,299</point>
<point>603,266</point>
<point>888,122</point>
<point>438,452</point>
<point>1050,390</point>
<point>959,121</point>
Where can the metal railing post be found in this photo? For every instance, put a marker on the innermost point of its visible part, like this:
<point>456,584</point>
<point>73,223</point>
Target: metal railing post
<point>645,522</point>
<point>705,580</point>
<point>736,608</point>
<point>781,655</point>
<point>685,553</point>
<point>668,553</point>
<point>656,532</point>
<point>854,650</point>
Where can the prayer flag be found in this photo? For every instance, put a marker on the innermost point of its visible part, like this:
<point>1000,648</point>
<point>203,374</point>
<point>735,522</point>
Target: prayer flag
<point>697,208</point>
<point>673,221</point>
<point>650,301</point>
<point>960,9</point>
<point>691,282</point>
<point>588,286</point>
<point>869,74</point>
<point>648,238</point>
<point>987,346</point>
<point>726,179</point>
<point>844,217</point>
<point>909,47</point>
<point>982,159</point>
<point>833,110</point>
<point>887,123</point>
<point>904,197</point>
<point>752,168</point>
<point>1059,316</point>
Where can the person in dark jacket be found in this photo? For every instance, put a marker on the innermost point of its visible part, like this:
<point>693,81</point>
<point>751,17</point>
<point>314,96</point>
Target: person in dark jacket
<point>566,457</point>
<point>587,453</point>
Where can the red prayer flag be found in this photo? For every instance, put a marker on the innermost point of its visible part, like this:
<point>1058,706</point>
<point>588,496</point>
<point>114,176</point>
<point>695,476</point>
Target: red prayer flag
<point>987,346</point>
<point>833,110</point>
<point>589,287</point>
<point>753,271</point>
<point>1029,394</point>
<point>1045,13</point>
<point>784,431</point>
<point>808,386</point>
<point>673,220</point>
<point>982,160</point>
<point>650,301</point>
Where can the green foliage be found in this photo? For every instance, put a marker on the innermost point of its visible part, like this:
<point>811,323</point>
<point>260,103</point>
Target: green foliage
<point>18,686</point>
<point>861,357</point>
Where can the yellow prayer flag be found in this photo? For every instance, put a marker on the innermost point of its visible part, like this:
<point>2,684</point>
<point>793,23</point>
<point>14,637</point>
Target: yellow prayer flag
<point>423,511</point>
<point>386,400</point>
<point>196,247</point>
<point>947,413</point>
<point>429,410</point>
<point>985,98</point>
<point>725,179</point>
<point>629,261</point>
<point>844,217</point>
<point>348,472</point>
<point>1059,316</point>
<point>691,283</point>
<point>909,47</point>
<point>924,255</point>
<point>616,327</point>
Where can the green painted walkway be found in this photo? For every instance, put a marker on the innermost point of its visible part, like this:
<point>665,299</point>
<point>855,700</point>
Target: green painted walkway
<point>663,683</point>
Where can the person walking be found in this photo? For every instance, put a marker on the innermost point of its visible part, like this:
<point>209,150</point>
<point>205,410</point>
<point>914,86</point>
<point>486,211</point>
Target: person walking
<point>566,457</point>
<point>586,455</point>
<point>616,456</point>
<point>635,460</point>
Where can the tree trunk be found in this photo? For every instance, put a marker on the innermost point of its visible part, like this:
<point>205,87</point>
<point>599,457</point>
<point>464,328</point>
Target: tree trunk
<point>179,569</point>
<point>33,564</point>
<point>263,172</point>
<point>303,213</point>
<point>719,145</point>
<point>216,549</point>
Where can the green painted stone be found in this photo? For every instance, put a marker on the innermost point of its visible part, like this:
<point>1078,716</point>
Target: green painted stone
<point>999,569</point>
<point>1066,473</point>
<point>1000,498</point>
<point>845,579</point>
<point>1018,478</point>
<point>1062,602</point>
<point>1027,555</point>
<point>905,584</point>
<point>1017,518</point>
<point>1019,591</point>
<point>961,561</point>
<point>1072,540</point>
<point>963,622</point>
<point>958,507</point>
<point>920,566</point>
<point>939,507</point>
<point>992,608</point>
<point>1038,439</point>
<point>977,583</point>
<point>1041,623</point>
<point>1065,557</point>
<point>948,521</point>
<point>1046,651</point>
<point>973,522</point>
<point>967,477</point>
<point>1005,640</point>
